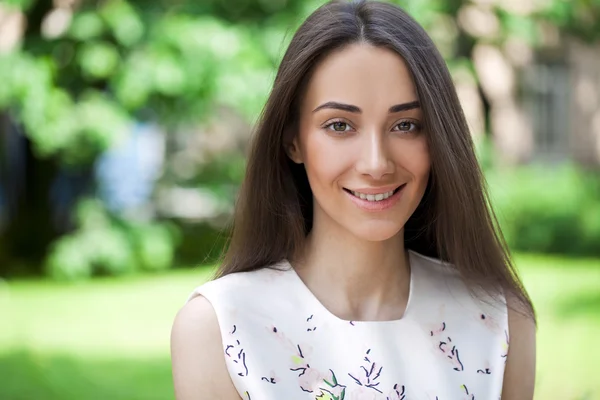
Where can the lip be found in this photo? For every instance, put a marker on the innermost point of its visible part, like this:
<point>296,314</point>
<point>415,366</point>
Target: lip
<point>377,190</point>
<point>377,206</point>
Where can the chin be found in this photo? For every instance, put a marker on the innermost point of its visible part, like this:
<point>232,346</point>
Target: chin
<point>376,231</point>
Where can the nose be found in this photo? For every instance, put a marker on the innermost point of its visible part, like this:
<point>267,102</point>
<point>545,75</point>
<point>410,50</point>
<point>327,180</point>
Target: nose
<point>374,158</point>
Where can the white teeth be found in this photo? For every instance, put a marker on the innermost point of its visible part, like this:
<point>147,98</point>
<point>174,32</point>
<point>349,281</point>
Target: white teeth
<point>373,197</point>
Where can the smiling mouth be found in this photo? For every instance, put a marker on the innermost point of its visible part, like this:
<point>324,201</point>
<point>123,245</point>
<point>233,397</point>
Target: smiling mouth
<point>375,197</point>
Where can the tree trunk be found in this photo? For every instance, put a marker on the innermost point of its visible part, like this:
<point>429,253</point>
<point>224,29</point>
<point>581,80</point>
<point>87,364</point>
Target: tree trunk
<point>25,180</point>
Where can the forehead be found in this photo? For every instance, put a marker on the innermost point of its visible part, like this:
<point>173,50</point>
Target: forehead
<point>362,75</point>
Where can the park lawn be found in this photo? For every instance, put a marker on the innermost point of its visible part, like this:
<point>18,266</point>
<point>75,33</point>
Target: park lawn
<point>109,338</point>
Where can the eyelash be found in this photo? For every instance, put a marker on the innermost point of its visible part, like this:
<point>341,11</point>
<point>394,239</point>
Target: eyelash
<point>416,129</point>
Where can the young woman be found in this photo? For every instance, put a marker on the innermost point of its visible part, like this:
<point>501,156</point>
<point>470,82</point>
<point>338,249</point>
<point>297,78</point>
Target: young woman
<point>365,262</point>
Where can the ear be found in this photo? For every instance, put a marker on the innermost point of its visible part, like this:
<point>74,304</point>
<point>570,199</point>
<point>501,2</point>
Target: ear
<point>292,149</point>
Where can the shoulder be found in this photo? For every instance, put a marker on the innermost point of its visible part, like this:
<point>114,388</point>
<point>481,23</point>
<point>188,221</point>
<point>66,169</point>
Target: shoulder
<point>247,290</point>
<point>519,375</point>
<point>205,325</point>
<point>244,282</point>
<point>199,369</point>
<point>433,265</point>
<point>474,307</point>
<point>436,274</point>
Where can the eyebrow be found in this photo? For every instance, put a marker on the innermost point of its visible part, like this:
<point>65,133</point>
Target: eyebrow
<point>354,109</point>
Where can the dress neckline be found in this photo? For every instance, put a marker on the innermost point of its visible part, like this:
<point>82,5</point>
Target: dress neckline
<point>316,303</point>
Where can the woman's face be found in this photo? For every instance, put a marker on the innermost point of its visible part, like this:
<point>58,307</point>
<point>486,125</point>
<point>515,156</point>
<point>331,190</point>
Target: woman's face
<point>361,142</point>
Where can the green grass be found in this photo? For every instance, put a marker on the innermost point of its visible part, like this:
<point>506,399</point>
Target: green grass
<point>109,338</point>
<point>566,294</point>
<point>104,339</point>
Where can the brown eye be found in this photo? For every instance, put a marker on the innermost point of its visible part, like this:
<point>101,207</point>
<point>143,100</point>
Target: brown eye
<point>407,126</point>
<point>339,126</point>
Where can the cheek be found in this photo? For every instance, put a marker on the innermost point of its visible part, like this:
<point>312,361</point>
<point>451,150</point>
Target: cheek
<point>416,160</point>
<point>323,160</point>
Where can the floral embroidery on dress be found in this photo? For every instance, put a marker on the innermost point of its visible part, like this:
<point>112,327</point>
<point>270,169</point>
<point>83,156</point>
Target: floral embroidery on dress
<point>236,354</point>
<point>272,378</point>
<point>438,330</point>
<point>470,396</point>
<point>505,345</point>
<point>286,343</point>
<point>332,390</point>
<point>465,390</point>
<point>326,386</point>
<point>397,393</point>
<point>451,353</point>
<point>486,370</point>
<point>308,378</point>
<point>349,360</point>
<point>367,380</point>
<point>446,347</point>
<point>311,327</point>
<point>489,322</point>
<point>370,376</point>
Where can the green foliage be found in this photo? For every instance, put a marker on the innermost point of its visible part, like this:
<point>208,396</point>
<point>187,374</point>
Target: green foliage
<point>123,63</point>
<point>555,211</point>
<point>484,149</point>
<point>124,22</point>
<point>98,60</point>
<point>236,11</point>
<point>52,119</point>
<point>580,18</point>
<point>19,4</point>
<point>520,26</point>
<point>86,25</point>
<point>201,243</point>
<point>172,62</point>
<point>120,61</point>
<point>103,244</point>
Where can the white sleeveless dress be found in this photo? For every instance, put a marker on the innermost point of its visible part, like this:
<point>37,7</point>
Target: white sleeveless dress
<point>281,343</point>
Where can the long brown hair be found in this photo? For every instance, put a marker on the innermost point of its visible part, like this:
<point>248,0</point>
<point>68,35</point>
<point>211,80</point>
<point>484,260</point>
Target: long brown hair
<point>454,221</point>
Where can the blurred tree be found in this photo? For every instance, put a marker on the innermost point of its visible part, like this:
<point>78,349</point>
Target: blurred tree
<point>84,71</point>
<point>76,75</point>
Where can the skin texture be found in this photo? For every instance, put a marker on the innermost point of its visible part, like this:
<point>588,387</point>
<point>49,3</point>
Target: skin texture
<point>371,149</point>
<point>199,370</point>
<point>519,373</point>
<point>352,257</point>
<point>354,260</point>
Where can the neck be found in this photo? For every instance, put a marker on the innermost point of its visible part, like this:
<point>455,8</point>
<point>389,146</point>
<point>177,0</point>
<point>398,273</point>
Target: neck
<point>354,278</point>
